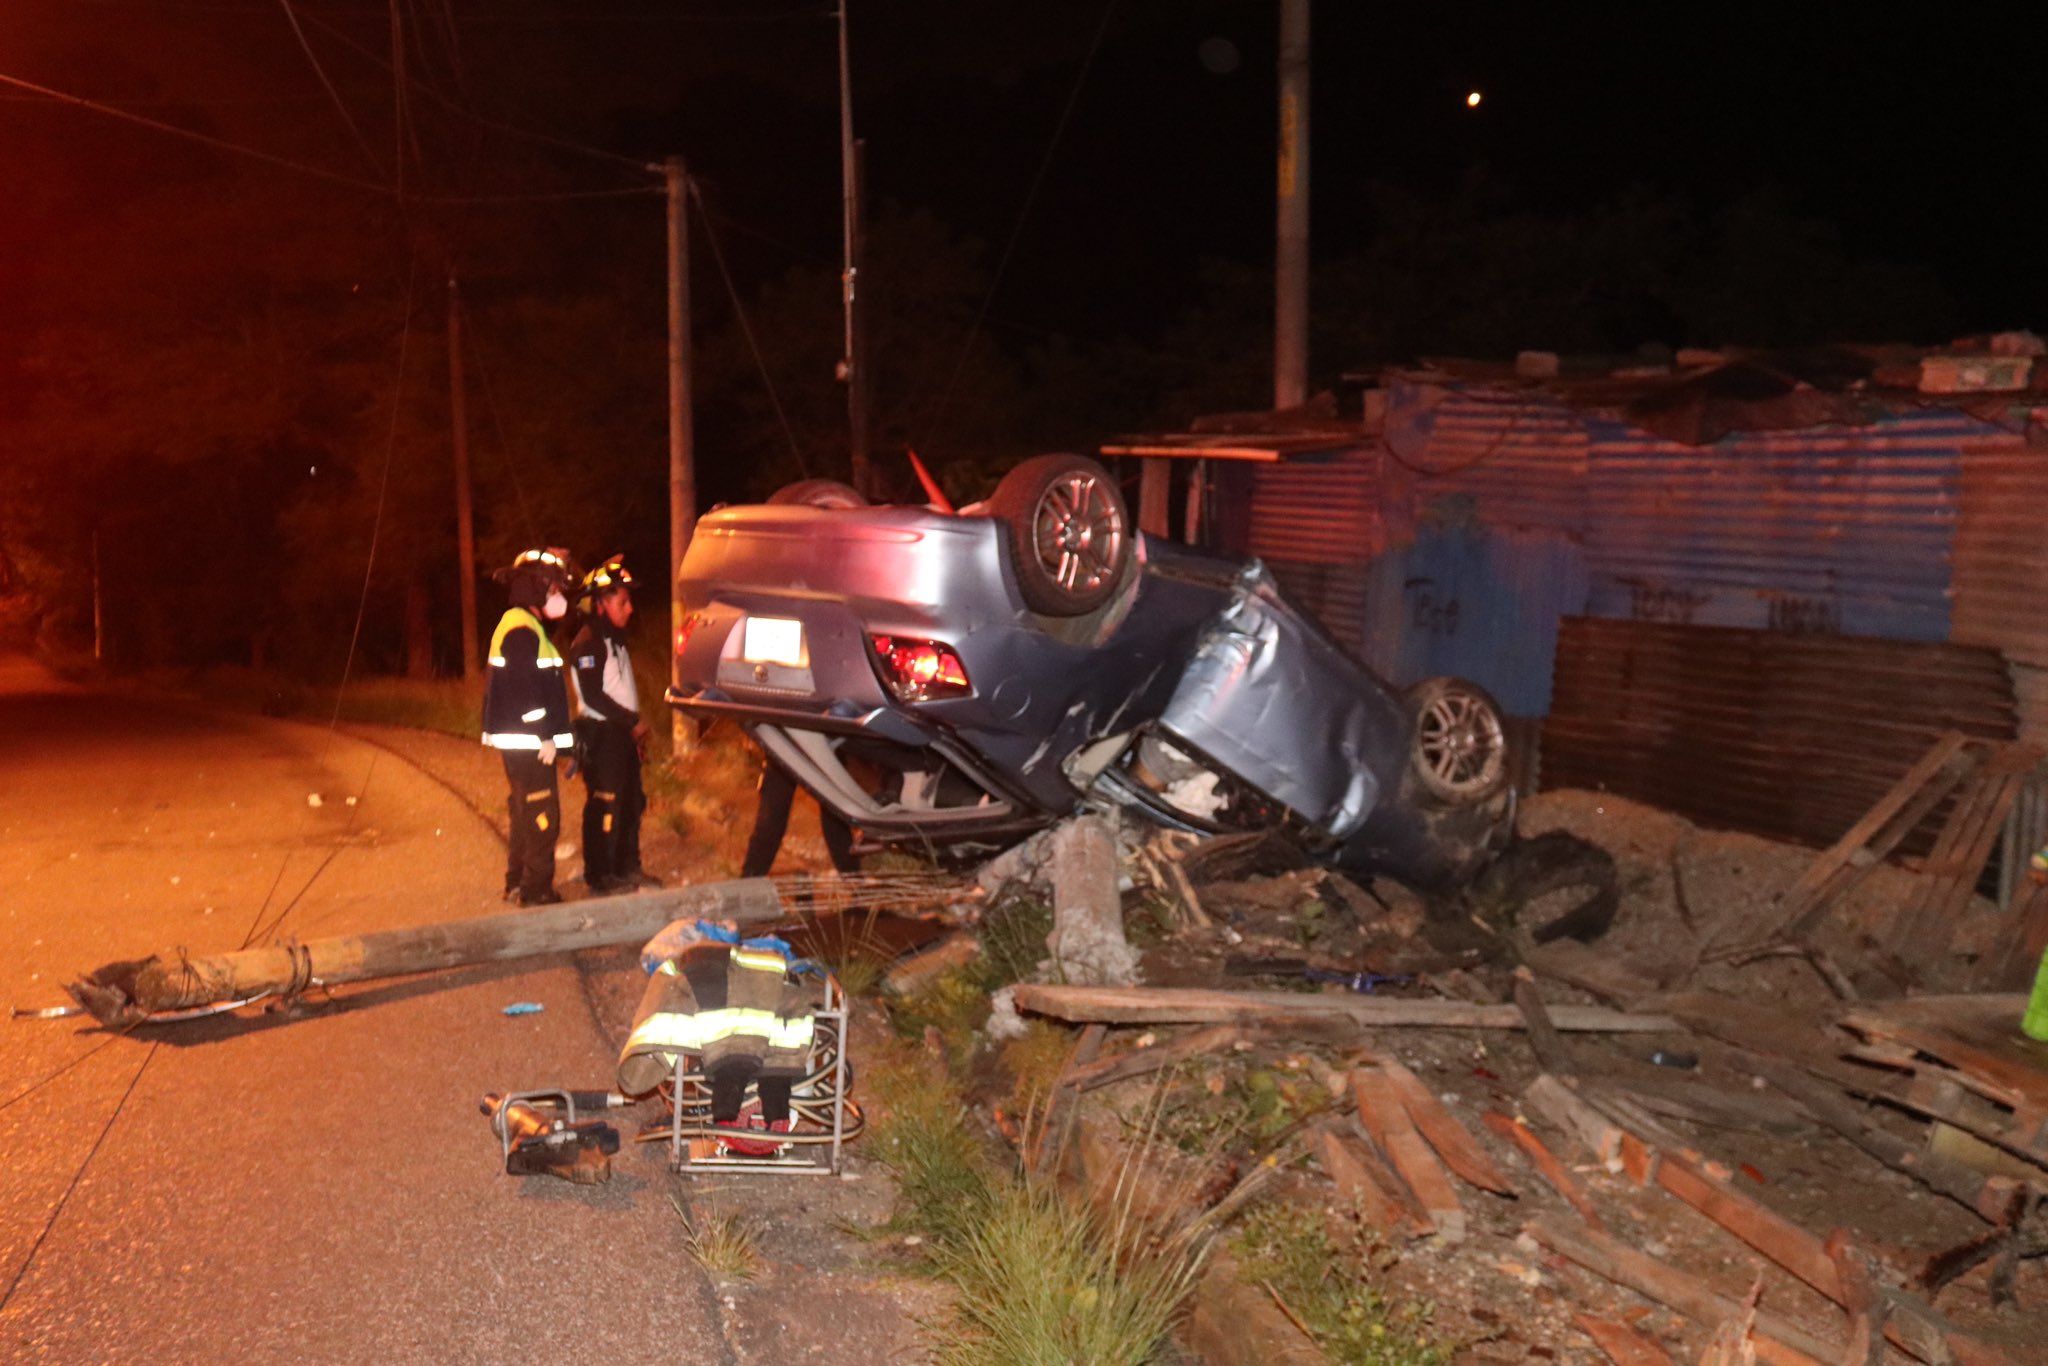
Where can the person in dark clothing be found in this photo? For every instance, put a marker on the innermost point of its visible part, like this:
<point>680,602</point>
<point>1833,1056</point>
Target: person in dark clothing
<point>771,823</point>
<point>526,719</point>
<point>612,734</point>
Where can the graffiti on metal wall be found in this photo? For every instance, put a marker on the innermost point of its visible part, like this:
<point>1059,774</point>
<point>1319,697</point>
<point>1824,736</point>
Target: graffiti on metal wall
<point>1430,610</point>
<point>1806,616</point>
<point>1653,602</point>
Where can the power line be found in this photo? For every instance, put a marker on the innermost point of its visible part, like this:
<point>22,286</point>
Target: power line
<point>340,106</point>
<point>497,125</point>
<point>747,329</point>
<point>219,144</point>
<point>307,168</point>
<point>57,1211</point>
<point>1023,216</point>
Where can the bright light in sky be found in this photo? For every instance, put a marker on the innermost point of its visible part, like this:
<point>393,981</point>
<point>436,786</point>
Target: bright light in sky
<point>1472,100</point>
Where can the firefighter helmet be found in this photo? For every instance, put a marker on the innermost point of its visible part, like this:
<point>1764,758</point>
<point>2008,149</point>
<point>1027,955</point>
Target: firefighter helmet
<point>533,574</point>
<point>610,575</point>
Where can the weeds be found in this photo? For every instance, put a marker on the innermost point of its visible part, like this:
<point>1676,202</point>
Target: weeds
<point>1328,1286</point>
<point>1039,1277</point>
<point>725,1245</point>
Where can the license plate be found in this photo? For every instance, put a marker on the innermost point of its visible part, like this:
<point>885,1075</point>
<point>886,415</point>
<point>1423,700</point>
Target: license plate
<point>773,640</point>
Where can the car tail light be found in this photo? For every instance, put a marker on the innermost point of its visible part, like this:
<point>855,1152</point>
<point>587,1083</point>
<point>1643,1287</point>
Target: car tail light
<point>920,670</point>
<point>686,628</point>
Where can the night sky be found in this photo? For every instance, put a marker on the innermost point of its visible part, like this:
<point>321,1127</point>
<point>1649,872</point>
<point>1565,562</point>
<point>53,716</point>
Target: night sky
<point>1911,131</point>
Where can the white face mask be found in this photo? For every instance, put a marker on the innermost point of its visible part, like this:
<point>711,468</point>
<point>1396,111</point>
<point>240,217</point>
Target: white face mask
<point>555,607</point>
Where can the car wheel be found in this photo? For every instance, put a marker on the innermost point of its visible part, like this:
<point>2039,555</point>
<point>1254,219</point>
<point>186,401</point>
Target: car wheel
<point>818,493</point>
<point>1069,529</point>
<point>1459,747</point>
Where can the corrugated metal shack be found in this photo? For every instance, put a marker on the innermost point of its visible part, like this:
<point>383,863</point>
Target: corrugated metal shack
<point>1751,589</point>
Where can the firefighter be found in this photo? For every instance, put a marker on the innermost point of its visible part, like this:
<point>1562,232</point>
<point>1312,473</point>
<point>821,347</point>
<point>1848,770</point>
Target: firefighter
<point>526,719</point>
<point>612,737</point>
<point>733,1005</point>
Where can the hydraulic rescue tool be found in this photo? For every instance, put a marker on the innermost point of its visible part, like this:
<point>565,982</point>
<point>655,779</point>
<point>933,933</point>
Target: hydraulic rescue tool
<point>539,1134</point>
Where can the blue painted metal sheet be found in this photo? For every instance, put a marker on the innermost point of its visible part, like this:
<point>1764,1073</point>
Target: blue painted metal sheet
<point>1520,460</point>
<point>1478,601</point>
<point>1835,531</point>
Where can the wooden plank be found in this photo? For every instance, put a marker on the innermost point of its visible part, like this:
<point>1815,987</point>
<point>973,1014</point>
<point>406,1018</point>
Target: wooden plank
<point>1363,1178</point>
<point>1623,1345</point>
<point>1924,932</point>
<point>1453,1141</point>
<point>1059,1105</point>
<point>1384,1116</point>
<point>1544,1041</point>
<point>1976,1035</point>
<point>1547,1166</point>
<point>1139,1062</point>
<point>1676,1289</point>
<point>2011,965</point>
<point>1801,899</point>
<point>1185,1005</point>
<point>1567,1110</point>
<point>1859,1296</point>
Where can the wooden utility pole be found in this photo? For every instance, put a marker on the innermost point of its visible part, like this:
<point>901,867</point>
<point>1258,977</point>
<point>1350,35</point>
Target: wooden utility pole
<point>465,523</point>
<point>852,364</point>
<point>682,460</point>
<point>124,993</point>
<point>1290,285</point>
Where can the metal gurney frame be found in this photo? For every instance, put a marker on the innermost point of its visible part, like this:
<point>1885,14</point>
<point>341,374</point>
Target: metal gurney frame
<point>797,1161</point>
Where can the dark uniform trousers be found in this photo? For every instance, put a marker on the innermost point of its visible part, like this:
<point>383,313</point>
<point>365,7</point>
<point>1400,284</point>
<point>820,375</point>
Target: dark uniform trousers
<point>534,811</point>
<point>614,802</point>
<point>771,822</point>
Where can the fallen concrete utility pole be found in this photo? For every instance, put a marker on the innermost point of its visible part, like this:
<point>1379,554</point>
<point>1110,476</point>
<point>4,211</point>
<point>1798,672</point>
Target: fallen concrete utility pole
<point>126,993</point>
<point>1178,1005</point>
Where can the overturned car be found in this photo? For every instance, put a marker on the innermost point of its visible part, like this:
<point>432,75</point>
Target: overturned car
<point>961,679</point>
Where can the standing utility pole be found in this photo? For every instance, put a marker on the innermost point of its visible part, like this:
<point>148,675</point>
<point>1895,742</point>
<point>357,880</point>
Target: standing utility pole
<point>465,524</point>
<point>851,366</point>
<point>1290,284</point>
<point>682,466</point>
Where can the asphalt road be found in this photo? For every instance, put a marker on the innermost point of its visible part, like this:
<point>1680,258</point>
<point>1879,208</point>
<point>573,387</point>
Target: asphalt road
<point>318,1186</point>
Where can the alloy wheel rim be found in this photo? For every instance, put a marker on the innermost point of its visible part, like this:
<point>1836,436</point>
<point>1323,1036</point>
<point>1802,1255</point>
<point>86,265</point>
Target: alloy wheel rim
<point>1460,741</point>
<point>1079,533</point>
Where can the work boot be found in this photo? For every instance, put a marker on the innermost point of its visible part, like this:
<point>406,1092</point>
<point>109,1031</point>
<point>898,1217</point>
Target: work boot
<point>548,897</point>
<point>637,879</point>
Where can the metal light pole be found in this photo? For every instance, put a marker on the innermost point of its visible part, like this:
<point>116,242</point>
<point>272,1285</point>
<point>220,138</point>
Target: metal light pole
<point>465,522</point>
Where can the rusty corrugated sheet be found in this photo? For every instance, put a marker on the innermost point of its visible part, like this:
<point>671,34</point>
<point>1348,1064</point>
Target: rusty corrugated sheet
<point>1832,531</point>
<point>1317,511</point>
<point>1793,737</point>
<point>1519,461</point>
<point>2001,563</point>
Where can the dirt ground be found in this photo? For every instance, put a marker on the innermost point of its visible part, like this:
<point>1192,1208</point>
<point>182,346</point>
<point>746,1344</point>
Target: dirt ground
<point>1496,1295</point>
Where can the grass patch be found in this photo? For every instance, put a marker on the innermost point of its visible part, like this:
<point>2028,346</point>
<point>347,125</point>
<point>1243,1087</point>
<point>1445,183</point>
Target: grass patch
<point>956,1003</point>
<point>725,1245</point>
<point>1328,1285</point>
<point>1033,1062</point>
<point>1040,1278</point>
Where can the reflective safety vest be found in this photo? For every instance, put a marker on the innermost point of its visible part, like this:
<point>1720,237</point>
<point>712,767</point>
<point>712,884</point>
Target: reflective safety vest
<point>713,1001</point>
<point>525,708</point>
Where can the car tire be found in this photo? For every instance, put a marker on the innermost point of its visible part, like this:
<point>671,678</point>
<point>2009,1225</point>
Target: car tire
<point>818,493</point>
<point>1458,747</point>
<point>1069,531</point>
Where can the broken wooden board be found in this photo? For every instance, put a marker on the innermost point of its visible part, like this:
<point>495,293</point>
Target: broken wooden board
<point>1623,1345</point>
<point>1141,1061</point>
<point>1188,1005</point>
<point>1384,1116</point>
<point>1948,879</point>
<point>1555,1173</point>
<point>1777,1339</point>
<point>1845,863</point>
<point>1977,1037</point>
<point>1379,1195</point>
<point>1453,1141</point>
